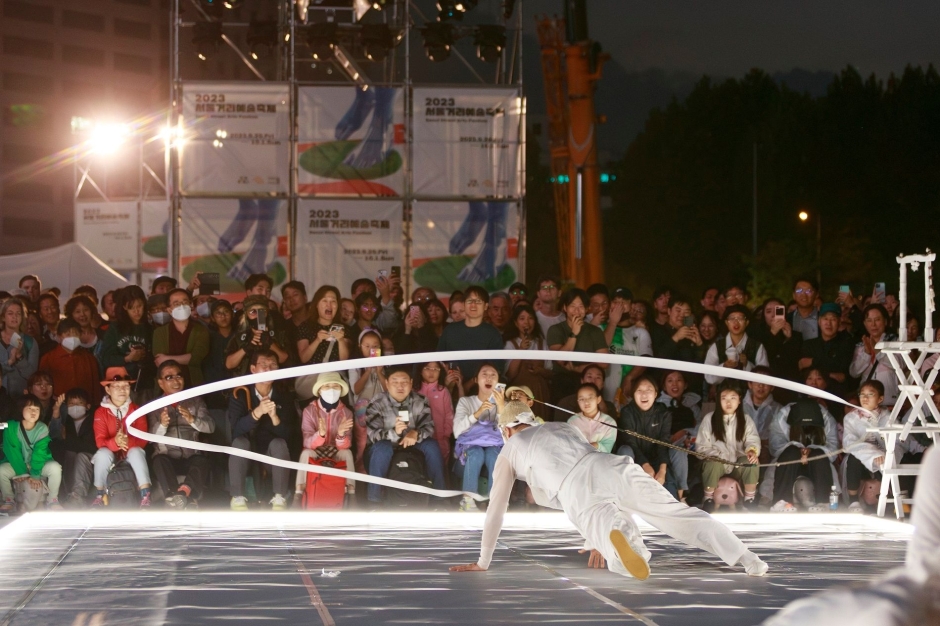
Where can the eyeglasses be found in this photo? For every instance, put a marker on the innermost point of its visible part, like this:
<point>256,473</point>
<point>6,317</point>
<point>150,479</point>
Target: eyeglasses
<point>42,385</point>
<point>808,291</point>
<point>171,377</point>
<point>368,308</point>
<point>517,292</point>
<point>473,301</point>
<point>736,318</point>
<point>423,299</point>
<point>548,288</point>
<point>429,368</point>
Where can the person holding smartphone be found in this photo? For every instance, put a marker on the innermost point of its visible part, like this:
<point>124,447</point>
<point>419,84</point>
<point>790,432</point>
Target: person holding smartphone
<point>19,353</point>
<point>774,332</point>
<point>322,338</point>
<point>574,335</point>
<point>128,340</point>
<point>256,331</point>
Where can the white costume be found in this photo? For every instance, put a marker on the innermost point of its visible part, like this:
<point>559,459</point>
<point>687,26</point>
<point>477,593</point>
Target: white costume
<point>599,492</point>
<point>907,596</point>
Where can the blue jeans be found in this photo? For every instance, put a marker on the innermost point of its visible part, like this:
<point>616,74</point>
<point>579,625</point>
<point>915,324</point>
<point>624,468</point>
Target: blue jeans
<point>470,473</point>
<point>672,480</point>
<point>380,458</point>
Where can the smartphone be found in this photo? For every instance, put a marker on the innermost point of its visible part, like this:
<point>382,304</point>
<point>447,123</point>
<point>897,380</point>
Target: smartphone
<point>780,311</point>
<point>396,271</point>
<point>844,289</point>
<point>688,321</point>
<point>262,320</point>
<point>335,328</point>
<point>209,284</point>
<point>375,352</point>
<point>15,340</point>
<point>500,387</point>
<point>403,416</point>
<point>879,295</point>
<point>383,273</point>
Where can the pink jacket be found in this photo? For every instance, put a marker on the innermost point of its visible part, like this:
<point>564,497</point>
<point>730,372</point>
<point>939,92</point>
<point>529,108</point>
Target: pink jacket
<point>442,411</point>
<point>311,427</point>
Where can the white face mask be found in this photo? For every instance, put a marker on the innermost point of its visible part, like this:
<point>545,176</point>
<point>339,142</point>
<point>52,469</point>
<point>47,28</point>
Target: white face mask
<point>160,318</point>
<point>203,310</point>
<point>70,343</point>
<point>330,396</point>
<point>76,411</point>
<point>182,313</point>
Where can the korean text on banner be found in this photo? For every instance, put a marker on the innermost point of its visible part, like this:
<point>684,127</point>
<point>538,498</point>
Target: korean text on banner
<point>109,230</point>
<point>350,141</point>
<point>339,241</point>
<point>237,138</point>
<point>458,244</point>
<point>235,237</point>
<point>467,142</point>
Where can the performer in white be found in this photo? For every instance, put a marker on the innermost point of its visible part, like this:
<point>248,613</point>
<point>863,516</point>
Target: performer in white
<point>600,492</point>
<point>907,596</point>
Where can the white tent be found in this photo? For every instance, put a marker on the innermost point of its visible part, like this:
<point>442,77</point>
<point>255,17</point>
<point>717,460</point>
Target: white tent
<point>65,267</point>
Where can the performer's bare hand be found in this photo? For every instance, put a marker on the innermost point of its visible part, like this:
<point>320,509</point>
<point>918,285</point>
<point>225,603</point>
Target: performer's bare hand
<point>472,567</point>
<point>596,560</point>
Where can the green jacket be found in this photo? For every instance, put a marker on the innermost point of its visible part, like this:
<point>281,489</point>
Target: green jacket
<point>197,346</point>
<point>18,453</point>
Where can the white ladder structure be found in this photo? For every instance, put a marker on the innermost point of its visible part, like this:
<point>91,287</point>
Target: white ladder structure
<point>913,386</point>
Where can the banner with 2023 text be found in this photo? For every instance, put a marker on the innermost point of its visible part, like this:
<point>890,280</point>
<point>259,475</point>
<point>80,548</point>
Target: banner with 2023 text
<point>110,231</point>
<point>235,138</point>
<point>467,141</point>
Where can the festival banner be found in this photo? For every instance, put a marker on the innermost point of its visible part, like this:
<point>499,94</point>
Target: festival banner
<point>109,230</point>
<point>236,138</point>
<point>235,237</point>
<point>339,241</point>
<point>351,141</point>
<point>154,226</point>
<point>458,244</point>
<point>467,142</point>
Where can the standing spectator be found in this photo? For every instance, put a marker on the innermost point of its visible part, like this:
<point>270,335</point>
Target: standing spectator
<point>478,440</point>
<point>128,341</point>
<point>734,295</point>
<point>437,318</point>
<point>294,296</point>
<point>573,335</point>
<point>547,310</point>
<point>362,285</point>
<point>260,416</point>
<point>661,306</point>
<point>598,428</point>
<point>709,295</point>
<point>775,334</point>
<point>389,318</point>
<point>162,285</point>
<point>598,305</point>
<point>415,335</point>
<point>251,336</point>
<point>442,407</point>
<point>321,339</point>
<point>640,314</point>
<point>367,309</point>
<point>678,339</point>
<point>524,333</point>
<point>804,319</point>
<point>870,363</point>
<point>367,383</point>
<point>33,287</point>
<point>737,351</point>
<point>708,324</point>
<point>518,292</point>
<point>182,340</point>
<point>76,447</point>
<point>388,430</point>
<point>422,295</point>
<point>471,334</point>
<point>157,310</point>
<point>624,336</point>
<point>499,310</point>
<point>83,311</point>
<point>19,353</point>
<point>831,351</point>
<point>327,426</point>
<point>113,440</point>
<point>220,333</point>
<point>109,306</point>
<point>49,312</point>
<point>184,420</point>
<point>347,311</point>
<point>259,285</point>
<point>27,456</point>
<point>71,365</point>
<point>457,307</point>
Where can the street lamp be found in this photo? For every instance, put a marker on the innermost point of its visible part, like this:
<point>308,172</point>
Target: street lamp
<point>804,217</point>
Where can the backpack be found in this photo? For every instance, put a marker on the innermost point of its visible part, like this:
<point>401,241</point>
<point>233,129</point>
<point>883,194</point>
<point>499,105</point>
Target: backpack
<point>408,467</point>
<point>323,491</point>
<point>122,486</point>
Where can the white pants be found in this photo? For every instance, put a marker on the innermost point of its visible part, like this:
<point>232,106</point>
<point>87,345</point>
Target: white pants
<point>104,459</point>
<point>604,491</point>
<point>51,471</point>
<point>341,455</point>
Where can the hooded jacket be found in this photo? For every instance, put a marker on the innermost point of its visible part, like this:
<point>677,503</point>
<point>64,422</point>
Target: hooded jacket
<point>108,418</point>
<point>655,423</point>
<point>26,460</point>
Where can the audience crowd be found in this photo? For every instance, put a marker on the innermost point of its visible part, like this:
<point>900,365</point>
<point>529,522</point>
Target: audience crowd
<point>73,368</point>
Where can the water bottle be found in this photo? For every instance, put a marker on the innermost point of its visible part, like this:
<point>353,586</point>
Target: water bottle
<point>833,499</point>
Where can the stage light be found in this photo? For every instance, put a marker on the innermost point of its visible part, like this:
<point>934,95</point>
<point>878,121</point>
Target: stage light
<point>262,37</point>
<point>378,40</point>
<point>438,38</point>
<point>232,4</point>
<point>490,39</point>
<point>321,39</point>
<point>378,5</point>
<point>107,138</point>
<point>803,215</point>
<point>206,37</point>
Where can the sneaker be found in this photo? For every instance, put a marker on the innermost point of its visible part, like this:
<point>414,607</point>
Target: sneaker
<point>753,565</point>
<point>239,503</point>
<point>708,505</point>
<point>7,507</point>
<point>298,502</point>
<point>278,503</point>
<point>75,501</point>
<point>53,505</point>
<point>818,508</point>
<point>98,502</point>
<point>177,501</point>
<point>145,502</point>
<point>856,507</point>
<point>783,507</point>
<point>467,505</point>
<point>751,505</point>
<point>633,562</point>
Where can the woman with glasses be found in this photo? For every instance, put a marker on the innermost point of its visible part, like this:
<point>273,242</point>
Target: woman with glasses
<point>257,331</point>
<point>736,350</point>
<point>870,363</point>
<point>367,309</point>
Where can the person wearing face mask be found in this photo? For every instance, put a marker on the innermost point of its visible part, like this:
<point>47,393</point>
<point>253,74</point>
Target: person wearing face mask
<point>253,335</point>
<point>157,310</point>
<point>76,447</point>
<point>182,340</point>
<point>127,342</point>
<point>327,426</point>
<point>71,365</point>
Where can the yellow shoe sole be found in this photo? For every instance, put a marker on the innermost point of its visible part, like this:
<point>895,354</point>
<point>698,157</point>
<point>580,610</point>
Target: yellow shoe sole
<point>633,562</point>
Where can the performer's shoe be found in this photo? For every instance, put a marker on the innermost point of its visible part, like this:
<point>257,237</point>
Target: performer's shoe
<point>633,562</point>
<point>753,565</point>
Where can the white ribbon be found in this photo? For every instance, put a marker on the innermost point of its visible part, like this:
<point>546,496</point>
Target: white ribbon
<point>423,357</point>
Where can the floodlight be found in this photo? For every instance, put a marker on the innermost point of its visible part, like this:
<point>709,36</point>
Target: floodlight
<point>322,39</point>
<point>206,37</point>
<point>262,38</point>
<point>107,138</point>
<point>438,39</point>
<point>378,40</point>
<point>490,39</point>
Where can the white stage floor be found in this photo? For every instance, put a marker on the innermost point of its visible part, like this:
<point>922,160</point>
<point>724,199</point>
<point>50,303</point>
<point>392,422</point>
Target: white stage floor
<point>91,569</point>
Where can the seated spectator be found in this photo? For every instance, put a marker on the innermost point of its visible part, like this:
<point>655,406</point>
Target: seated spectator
<point>597,427</point>
<point>760,406</point>
<point>569,405</point>
<point>76,447</point>
<point>870,363</point>
<point>473,333</point>
<point>322,339</point>
<point>366,383</point>
<point>457,307</point>
<point>647,417</point>
<point>442,407</point>
<point>623,336</point>
<point>127,342</point>
<point>157,310</point>
<point>804,318</point>
<point>675,394</point>
<point>182,340</point>
<point>257,330</point>
<point>574,335</point>
<point>71,365</point>
<point>162,285</point>
<point>40,385</point>
<point>737,350</point>
<point>832,350</point>
<point>728,433</point>
<point>547,309</point>
<point>27,457</point>
<point>260,416</point>
<point>436,313</point>
<point>478,440</point>
<point>865,451</point>
<point>84,312</point>
<point>388,430</point>
<point>220,333</point>
<point>499,310</point>
<point>49,312</point>
<point>518,292</point>
<point>327,426</point>
<point>184,420</point>
<point>524,333</point>
<point>19,353</point>
<point>781,343</point>
<point>113,440</point>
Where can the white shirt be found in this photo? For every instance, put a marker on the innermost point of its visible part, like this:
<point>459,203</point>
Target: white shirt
<point>762,415</point>
<point>547,322</point>
<point>539,345</point>
<point>863,445</point>
<point>463,414</point>
<point>861,366</point>
<point>712,358</point>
